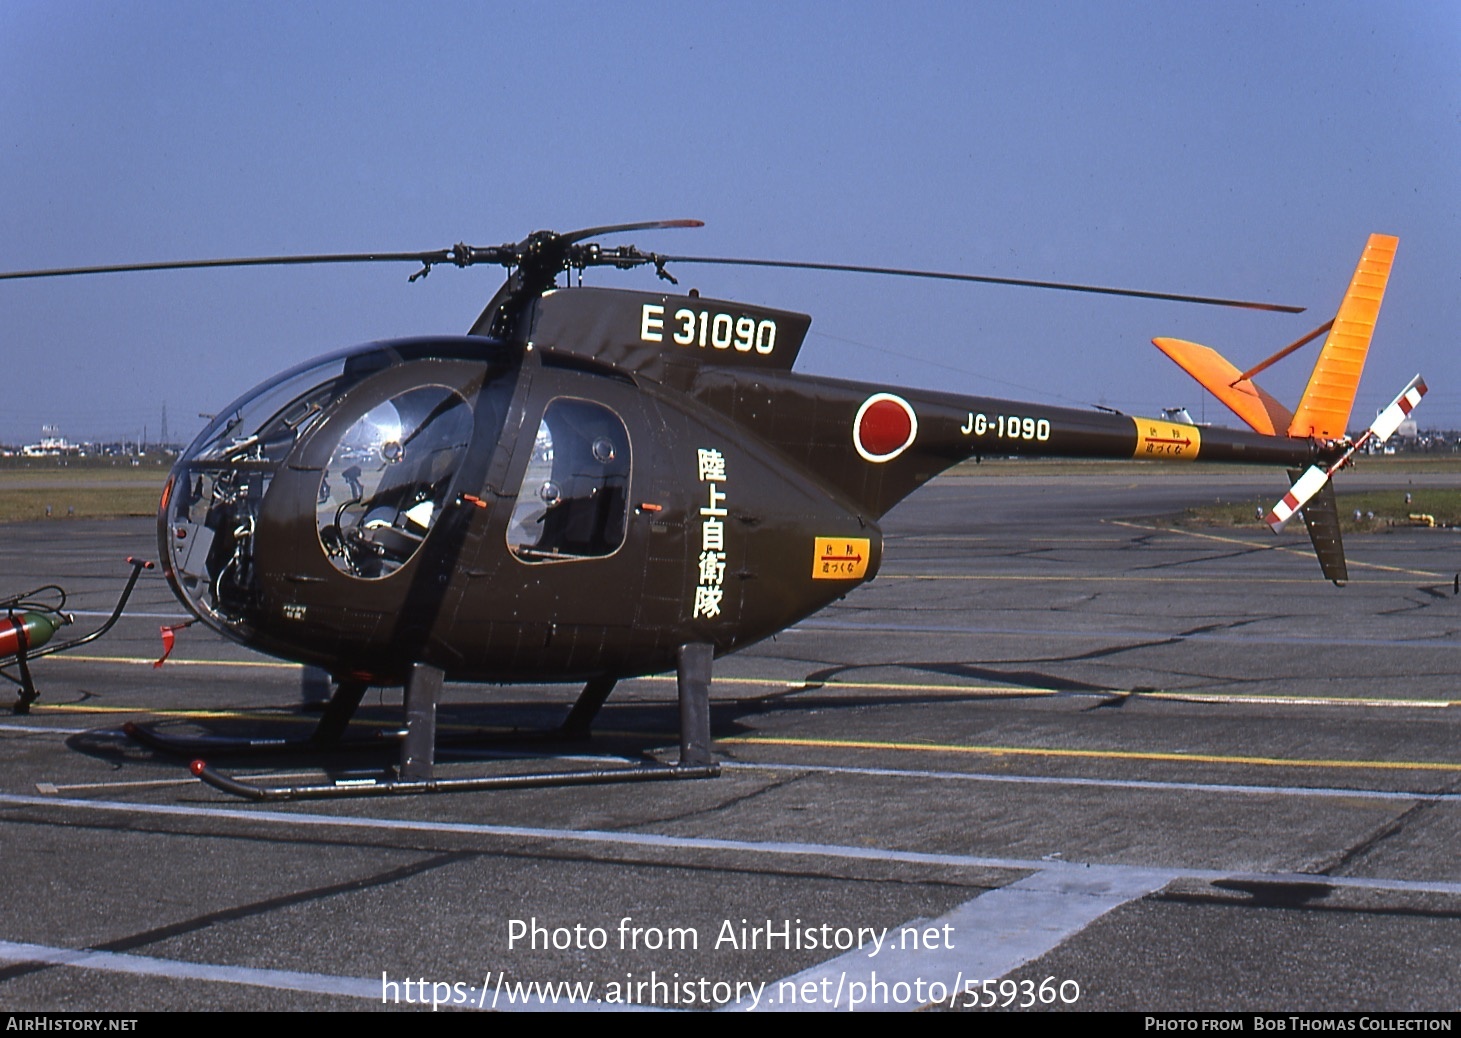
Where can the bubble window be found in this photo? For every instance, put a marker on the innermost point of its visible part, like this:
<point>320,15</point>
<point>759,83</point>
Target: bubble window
<point>388,479</point>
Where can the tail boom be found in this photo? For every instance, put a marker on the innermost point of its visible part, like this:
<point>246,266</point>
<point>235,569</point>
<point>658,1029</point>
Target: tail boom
<point>878,444</point>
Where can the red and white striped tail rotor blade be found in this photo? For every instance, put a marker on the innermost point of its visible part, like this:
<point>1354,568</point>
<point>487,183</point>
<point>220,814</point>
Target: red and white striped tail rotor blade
<point>1314,478</point>
<point>1385,424</point>
<point>1307,485</point>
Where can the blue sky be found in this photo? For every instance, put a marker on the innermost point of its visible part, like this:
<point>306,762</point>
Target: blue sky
<point>1212,148</point>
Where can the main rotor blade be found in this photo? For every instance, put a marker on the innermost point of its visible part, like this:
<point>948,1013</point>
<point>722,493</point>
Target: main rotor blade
<point>460,255</point>
<point>569,237</point>
<point>435,256</point>
<point>983,280</point>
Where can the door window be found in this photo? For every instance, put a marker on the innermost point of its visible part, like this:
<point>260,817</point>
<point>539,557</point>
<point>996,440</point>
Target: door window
<point>574,497</point>
<point>388,479</point>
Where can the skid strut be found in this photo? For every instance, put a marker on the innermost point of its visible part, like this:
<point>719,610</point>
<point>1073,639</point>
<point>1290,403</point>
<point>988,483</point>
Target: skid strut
<point>417,770</point>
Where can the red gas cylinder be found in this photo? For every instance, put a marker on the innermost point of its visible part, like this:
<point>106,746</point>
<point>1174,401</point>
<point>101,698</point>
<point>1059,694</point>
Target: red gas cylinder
<point>37,628</point>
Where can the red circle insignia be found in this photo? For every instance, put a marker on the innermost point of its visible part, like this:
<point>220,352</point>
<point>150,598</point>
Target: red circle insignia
<point>884,428</point>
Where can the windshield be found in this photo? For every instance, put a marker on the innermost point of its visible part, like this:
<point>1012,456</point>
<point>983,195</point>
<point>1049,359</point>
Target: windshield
<point>264,423</point>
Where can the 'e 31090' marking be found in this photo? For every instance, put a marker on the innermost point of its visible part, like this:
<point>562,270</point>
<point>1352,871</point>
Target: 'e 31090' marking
<point>720,331</point>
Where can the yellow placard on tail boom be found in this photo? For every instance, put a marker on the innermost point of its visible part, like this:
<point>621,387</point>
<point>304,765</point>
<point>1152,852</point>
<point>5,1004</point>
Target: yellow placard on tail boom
<point>1157,439</point>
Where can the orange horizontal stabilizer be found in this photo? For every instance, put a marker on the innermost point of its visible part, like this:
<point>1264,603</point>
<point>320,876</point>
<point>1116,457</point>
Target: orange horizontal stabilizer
<point>1324,409</point>
<point>1262,412</point>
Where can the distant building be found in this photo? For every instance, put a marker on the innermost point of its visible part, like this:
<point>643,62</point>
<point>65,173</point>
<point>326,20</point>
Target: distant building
<point>52,445</point>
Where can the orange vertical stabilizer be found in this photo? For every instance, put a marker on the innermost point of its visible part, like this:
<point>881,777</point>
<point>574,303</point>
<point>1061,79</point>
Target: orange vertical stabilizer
<point>1324,409</point>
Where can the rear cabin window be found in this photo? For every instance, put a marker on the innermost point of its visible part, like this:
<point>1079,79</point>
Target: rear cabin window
<point>573,502</point>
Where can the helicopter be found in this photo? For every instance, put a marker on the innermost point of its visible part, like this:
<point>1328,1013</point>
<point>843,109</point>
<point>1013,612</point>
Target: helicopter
<point>595,484</point>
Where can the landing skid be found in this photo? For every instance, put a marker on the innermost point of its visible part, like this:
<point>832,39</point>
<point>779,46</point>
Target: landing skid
<point>387,786</point>
<point>193,745</point>
<point>328,734</point>
<point>416,771</point>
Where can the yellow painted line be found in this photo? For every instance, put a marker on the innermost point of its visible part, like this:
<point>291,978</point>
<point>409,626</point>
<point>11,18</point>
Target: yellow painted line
<point>139,660</point>
<point>82,708</point>
<point>952,691</point>
<point>1132,755</point>
<point>896,540</point>
<point>916,747</point>
<point>1120,578</point>
<point>1279,547</point>
<point>891,686</point>
<point>1020,691</point>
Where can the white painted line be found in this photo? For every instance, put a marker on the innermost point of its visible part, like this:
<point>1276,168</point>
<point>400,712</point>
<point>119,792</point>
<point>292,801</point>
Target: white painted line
<point>701,843</point>
<point>1100,783</point>
<point>983,939</point>
<point>51,788</point>
<point>1114,634</point>
<point>592,836</point>
<point>114,962</point>
<point>369,988</point>
<point>986,938</point>
<point>37,729</point>
<point>1218,788</point>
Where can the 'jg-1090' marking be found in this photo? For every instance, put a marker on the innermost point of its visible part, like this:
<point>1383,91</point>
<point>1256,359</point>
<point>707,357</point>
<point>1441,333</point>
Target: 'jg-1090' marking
<point>1008,427</point>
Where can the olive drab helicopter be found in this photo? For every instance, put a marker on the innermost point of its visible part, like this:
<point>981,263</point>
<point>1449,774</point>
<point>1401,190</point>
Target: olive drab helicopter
<point>594,484</point>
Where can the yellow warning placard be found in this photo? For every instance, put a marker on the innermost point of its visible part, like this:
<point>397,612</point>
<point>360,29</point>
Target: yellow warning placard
<point>840,558</point>
<point>1166,441</point>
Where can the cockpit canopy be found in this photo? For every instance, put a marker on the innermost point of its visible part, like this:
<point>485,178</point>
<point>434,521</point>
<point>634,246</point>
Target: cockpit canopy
<point>386,427</point>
